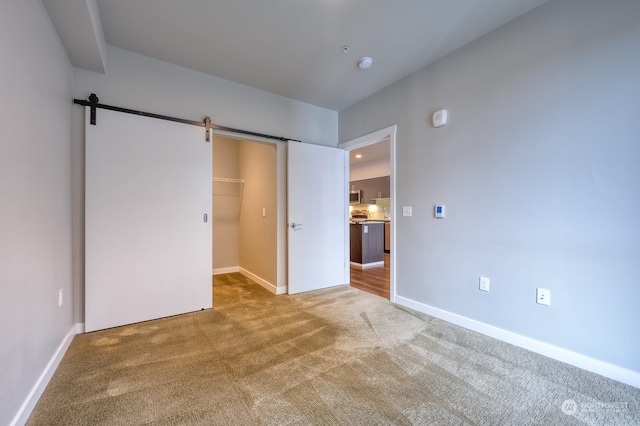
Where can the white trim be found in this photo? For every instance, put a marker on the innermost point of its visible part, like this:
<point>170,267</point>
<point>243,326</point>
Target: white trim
<point>25,410</point>
<point>79,328</point>
<point>584,362</point>
<point>264,283</point>
<point>368,265</point>
<point>230,270</point>
<point>371,138</point>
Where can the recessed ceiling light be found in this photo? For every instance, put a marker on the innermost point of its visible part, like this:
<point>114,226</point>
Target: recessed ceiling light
<point>358,155</point>
<point>365,62</point>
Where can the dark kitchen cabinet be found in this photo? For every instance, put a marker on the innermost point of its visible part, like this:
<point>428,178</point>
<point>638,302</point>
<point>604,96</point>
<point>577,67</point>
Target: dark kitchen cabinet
<point>367,242</point>
<point>372,188</point>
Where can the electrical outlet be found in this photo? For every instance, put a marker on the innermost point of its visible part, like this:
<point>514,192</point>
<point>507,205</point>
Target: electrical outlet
<point>484,283</point>
<point>60,299</point>
<point>543,296</point>
<point>407,211</point>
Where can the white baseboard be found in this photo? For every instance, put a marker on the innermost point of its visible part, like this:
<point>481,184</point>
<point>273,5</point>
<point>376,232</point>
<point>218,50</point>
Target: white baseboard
<point>36,392</point>
<point>281,290</point>
<point>220,271</point>
<point>367,265</point>
<point>584,362</point>
<point>264,283</point>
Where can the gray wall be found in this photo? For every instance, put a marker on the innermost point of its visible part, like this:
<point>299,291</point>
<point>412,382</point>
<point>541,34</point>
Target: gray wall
<point>539,169</point>
<point>35,199</point>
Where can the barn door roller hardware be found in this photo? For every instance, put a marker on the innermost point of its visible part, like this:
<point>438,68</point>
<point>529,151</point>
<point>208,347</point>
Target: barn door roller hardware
<point>94,104</point>
<point>93,101</point>
<point>207,126</point>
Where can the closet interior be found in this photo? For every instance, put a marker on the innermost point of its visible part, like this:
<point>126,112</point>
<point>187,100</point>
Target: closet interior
<point>244,185</point>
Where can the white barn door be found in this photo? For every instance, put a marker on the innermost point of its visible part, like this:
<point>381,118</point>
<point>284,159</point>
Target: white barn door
<point>317,217</point>
<point>147,242</point>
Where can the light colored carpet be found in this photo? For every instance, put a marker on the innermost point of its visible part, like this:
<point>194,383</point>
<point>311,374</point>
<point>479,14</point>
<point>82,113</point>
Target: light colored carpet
<point>336,356</point>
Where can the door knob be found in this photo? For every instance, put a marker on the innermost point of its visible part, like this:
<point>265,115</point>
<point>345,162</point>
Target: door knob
<point>294,225</point>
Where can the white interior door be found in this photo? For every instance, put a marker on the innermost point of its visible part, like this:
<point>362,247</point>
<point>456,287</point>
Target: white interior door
<point>147,244</point>
<point>317,217</point>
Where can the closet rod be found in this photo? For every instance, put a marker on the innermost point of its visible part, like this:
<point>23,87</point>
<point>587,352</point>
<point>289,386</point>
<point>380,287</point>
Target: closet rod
<point>93,104</point>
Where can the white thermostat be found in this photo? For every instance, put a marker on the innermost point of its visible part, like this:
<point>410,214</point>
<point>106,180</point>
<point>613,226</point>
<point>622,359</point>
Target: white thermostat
<point>439,118</point>
<point>439,211</point>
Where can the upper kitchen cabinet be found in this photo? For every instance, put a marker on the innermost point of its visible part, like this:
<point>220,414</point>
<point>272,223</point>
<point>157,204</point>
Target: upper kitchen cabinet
<point>373,188</point>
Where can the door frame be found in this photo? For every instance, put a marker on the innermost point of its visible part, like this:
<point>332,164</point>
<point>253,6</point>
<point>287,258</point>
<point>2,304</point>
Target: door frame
<point>370,139</point>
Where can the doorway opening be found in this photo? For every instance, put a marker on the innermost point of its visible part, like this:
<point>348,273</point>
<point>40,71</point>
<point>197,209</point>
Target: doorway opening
<point>245,213</point>
<point>378,208</point>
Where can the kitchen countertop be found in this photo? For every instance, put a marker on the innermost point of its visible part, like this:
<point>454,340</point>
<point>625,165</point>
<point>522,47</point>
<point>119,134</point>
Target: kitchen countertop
<point>356,222</point>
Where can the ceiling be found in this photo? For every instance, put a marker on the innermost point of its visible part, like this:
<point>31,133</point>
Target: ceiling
<point>369,153</point>
<point>287,47</point>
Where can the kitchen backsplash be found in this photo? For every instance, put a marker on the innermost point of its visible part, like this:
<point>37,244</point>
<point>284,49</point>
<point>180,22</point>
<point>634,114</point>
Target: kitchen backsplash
<point>379,211</point>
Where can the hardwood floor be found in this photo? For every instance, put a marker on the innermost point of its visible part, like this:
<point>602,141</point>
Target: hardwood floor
<point>372,280</point>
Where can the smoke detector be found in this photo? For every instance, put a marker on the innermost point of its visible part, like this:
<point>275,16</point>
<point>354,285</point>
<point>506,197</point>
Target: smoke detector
<point>365,63</point>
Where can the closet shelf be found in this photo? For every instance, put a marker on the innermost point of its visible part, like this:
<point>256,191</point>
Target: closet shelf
<point>227,180</point>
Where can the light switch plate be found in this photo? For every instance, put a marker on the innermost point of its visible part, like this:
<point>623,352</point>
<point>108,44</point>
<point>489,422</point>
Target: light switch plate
<point>543,296</point>
<point>407,211</point>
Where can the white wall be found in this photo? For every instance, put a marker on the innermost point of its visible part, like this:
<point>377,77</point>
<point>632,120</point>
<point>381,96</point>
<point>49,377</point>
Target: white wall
<point>35,200</point>
<point>538,169</point>
<point>138,82</point>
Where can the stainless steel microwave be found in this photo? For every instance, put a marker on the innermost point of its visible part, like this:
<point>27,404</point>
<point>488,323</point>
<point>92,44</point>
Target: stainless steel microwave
<point>355,197</point>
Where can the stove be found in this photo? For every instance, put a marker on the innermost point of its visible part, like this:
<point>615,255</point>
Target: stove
<point>359,215</point>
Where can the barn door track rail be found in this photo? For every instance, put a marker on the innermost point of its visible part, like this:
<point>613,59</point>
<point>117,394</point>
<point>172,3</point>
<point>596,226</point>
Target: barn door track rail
<point>93,103</point>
